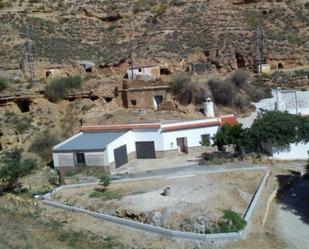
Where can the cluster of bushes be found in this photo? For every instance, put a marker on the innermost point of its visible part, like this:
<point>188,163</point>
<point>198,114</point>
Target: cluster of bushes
<point>58,89</point>
<point>237,90</point>
<point>189,89</point>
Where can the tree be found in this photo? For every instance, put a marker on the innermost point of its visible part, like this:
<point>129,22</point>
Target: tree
<point>278,128</point>
<point>232,135</point>
<point>14,167</point>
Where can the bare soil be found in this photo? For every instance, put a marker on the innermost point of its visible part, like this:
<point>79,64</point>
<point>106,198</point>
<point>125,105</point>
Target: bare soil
<point>191,199</point>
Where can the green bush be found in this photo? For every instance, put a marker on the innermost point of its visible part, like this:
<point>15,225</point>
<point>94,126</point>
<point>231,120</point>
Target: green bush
<point>2,4</point>
<point>42,145</point>
<point>231,222</point>
<point>3,82</point>
<point>14,167</point>
<point>105,181</point>
<point>58,89</point>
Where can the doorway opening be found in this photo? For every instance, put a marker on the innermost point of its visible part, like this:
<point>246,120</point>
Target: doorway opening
<point>23,104</point>
<point>182,144</point>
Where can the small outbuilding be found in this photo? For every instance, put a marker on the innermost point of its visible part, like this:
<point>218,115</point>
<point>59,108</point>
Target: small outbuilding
<point>107,147</point>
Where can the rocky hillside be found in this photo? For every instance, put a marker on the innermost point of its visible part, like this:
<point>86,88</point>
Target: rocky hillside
<point>206,35</point>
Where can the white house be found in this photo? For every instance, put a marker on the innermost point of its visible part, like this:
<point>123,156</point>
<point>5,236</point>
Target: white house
<point>111,146</point>
<point>139,72</point>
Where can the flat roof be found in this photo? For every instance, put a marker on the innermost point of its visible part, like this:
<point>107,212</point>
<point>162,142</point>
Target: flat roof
<point>88,142</point>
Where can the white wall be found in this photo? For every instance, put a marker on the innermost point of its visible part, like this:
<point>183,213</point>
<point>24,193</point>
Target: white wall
<point>296,152</point>
<point>193,137</point>
<point>126,139</point>
<point>146,73</point>
<point>149,135</point>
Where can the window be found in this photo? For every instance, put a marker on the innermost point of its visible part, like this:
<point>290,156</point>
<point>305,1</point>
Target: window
<point>133,101</point>
<point>205,139</point>
<point>80,159</point>
<point>140,70</point>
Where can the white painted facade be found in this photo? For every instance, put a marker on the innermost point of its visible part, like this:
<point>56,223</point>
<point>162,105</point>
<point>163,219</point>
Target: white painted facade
<point>296,152</point>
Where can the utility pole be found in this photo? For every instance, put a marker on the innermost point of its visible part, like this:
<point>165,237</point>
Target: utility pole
<point>259,48</point>
<point>30,54</point>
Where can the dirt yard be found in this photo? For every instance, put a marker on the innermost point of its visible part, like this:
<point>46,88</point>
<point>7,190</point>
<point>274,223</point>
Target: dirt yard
<point>194,201</point>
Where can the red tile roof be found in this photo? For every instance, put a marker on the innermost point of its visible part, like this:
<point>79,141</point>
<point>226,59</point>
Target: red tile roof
<point>181,125</point>
<point>228,120</point>
<point>120,127</point>
<point>190,126</point>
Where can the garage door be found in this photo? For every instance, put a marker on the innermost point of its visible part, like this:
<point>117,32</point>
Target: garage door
<point>145,150</point>
<point>121,156</point>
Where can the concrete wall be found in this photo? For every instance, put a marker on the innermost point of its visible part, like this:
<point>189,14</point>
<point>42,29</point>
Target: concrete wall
<point>95,159</point>
<point>296,152</point>
<point>63,159</point>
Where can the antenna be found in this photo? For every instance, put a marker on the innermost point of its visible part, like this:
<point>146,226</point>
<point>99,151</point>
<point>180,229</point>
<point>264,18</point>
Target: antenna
<point>30,53</point>
<point>259,48</point>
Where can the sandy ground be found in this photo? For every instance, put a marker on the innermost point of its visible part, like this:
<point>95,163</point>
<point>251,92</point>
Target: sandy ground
<point>142,165</point>
<point>190,196</point>
<point>23,227</point>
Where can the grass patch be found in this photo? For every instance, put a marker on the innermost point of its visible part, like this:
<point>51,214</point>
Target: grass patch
<point>106,195</point>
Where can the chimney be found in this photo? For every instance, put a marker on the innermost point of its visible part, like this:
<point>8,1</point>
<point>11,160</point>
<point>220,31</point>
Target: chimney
<point>279,104</point>
<point>209,108</point>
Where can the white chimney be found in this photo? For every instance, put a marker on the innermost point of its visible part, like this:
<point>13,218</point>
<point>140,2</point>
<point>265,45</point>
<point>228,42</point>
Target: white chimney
<point>209,108</point>
<point>279,104</point>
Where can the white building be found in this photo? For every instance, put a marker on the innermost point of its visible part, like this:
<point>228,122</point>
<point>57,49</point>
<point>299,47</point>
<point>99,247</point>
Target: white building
<point>143,72</point>
<point>111,146</point>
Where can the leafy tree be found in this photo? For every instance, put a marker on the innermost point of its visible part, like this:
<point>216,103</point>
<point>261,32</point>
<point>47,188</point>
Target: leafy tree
<point>232,135</point>
<point>14,167</point>
<point>278,128</point>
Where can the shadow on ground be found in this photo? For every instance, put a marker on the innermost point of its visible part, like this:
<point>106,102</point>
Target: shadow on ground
<point>293,194</point>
